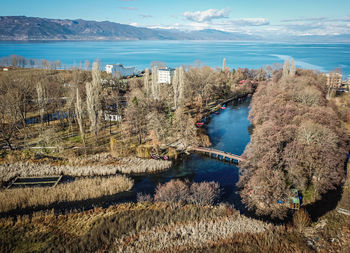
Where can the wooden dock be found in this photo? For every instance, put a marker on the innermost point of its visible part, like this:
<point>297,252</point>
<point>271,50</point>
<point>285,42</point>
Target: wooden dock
<point>32,181</point>
<point>218,154</point>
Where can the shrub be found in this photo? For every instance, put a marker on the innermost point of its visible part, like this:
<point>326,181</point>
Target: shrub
<point>205,193</point>
<point>301,219</point>
<point>177,191</point>
<point>142,197</point>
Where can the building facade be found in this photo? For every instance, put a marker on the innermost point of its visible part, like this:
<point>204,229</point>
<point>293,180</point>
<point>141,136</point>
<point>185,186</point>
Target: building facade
<point>120,69</point>
<point>165,75</point>
<point>334,79</point>
<point>110,116</point>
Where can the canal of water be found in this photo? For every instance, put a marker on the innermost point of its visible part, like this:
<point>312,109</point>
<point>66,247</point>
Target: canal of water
<point>229,132</point>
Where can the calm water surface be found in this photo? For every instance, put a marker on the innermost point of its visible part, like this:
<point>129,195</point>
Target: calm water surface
<point>228,131</point>
<point>322,57</point>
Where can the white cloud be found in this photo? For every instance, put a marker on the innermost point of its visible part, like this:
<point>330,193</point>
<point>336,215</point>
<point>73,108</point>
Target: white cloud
<point>134,24</point>
<point>304,19</point>
<point>206,16</point>
<point>316,26</point>
<point>249,21</point>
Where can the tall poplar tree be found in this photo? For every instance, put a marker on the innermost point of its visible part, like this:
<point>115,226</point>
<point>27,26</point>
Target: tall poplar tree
<point>93,91</point>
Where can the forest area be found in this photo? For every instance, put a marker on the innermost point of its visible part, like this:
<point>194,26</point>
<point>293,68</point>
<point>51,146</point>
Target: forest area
<point>298,143</point>
<point>65,109</point>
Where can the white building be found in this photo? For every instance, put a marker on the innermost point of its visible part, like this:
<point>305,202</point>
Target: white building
<point>334,79</point>
<point>112,117</point>
<point>119,68</point>
<point>165,75</point>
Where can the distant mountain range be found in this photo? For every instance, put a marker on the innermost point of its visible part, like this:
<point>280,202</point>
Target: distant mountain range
<point>24,28</point>
<point>31,28</point>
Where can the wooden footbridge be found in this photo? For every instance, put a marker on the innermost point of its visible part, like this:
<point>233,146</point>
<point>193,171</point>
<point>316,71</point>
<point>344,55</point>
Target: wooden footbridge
<point>217,154</point>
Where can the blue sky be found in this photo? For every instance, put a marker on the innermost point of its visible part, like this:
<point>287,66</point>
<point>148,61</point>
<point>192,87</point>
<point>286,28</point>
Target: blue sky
<point>293,17</point>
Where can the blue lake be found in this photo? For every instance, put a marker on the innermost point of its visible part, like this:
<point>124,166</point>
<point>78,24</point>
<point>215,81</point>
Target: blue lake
<point>323,57</point>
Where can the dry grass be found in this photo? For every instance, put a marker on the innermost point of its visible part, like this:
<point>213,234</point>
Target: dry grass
<point>124,165</point>
<point>275,240</point>
<point>80,189</point>
<point>91,230</point>
<point>138,165</point>
<point>188,235</point>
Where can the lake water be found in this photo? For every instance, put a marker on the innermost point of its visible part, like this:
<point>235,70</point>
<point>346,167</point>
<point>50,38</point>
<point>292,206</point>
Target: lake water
<point>323,57</point>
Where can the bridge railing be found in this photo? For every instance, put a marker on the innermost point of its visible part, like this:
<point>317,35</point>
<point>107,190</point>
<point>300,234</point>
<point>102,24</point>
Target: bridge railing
<point>217,152</point>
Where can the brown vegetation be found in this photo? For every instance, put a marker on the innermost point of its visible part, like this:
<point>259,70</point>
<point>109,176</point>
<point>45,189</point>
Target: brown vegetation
<point>80,189</point>
<point>301,219</point>
<point>177,191</point>
<point>297,143</point>
<point>99,165</point>
<point>125,226</point>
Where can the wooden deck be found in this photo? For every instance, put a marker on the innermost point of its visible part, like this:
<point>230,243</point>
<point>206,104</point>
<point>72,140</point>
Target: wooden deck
<point>217,154</point>
<point>34,181</point>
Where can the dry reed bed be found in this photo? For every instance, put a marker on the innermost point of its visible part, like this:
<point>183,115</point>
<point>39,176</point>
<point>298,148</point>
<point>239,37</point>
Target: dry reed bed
<point>80,189</point>
<point>125,165</point>
<point>189,235</point>
<point>138,165</point>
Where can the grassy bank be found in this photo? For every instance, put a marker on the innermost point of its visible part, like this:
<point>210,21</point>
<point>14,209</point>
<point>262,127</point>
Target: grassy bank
<point>80,189</point>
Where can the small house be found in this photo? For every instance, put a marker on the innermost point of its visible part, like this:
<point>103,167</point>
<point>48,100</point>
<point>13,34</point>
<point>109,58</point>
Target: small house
<point>111,116</point>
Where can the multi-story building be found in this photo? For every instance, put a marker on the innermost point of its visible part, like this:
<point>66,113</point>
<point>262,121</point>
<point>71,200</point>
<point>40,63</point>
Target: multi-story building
<point>334,79</point>
<point>165,75</point>
<point>120,69</point>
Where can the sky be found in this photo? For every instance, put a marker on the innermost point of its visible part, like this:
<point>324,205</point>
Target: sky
<point>275,17</point>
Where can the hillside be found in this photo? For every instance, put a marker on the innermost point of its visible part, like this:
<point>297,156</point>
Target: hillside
<point>32,28</point>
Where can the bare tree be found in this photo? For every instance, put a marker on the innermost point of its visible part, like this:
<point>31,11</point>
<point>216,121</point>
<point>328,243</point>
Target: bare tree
<point>285,71</point>
<point>40,90</point>
<point>93,90</point>
<point>87,65</point>
<point>178,86</point>
<point>79,116</point>
<point>9,118</point>
<point>292,68</point>
<point>155,86</point>
<point>146,83</point>
<point>224,65</point>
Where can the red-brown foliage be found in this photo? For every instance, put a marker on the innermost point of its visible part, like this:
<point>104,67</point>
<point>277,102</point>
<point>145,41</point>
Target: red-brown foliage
<point>177,191</point>
<point>298,143</point>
